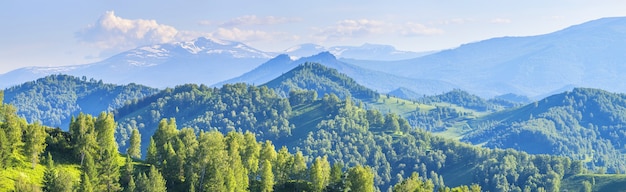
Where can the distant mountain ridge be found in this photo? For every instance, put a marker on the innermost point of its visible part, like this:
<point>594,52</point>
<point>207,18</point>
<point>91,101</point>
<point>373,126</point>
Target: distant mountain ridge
<point>375,80</point>
<point>364,52</point>
<point>585,55</point>
<point>202,60</point>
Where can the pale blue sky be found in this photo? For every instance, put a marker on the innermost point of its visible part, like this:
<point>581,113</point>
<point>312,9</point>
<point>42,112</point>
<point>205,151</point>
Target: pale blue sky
<point>69,32</point>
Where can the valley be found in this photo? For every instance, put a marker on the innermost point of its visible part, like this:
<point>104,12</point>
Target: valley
<point>215,115</point>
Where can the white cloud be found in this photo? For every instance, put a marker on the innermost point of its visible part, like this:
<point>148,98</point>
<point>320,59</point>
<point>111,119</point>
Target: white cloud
<point>347,29</point>
<point>113,32</point>
<point>500,21</point>
<point>243,35</point>
<point>352,28</point>
<point>453,21</point>
<point>255,20</point>
<point>417,29</point>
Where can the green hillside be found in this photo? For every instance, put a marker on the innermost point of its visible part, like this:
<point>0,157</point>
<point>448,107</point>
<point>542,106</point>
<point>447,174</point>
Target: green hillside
<point>54,99</point>
<point>323,80</point>
<point>86,159</point>
<point>584,124</point>
<point>390,136</point>
<point>347,133</point>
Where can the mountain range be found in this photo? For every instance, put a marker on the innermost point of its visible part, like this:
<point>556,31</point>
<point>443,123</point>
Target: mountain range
<point>364,52</point>
<point>376,80</point>
<point>584,55</point>
<point>202,60</point>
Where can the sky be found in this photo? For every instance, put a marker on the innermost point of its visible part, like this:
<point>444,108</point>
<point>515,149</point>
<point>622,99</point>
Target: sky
<point>72,32</point>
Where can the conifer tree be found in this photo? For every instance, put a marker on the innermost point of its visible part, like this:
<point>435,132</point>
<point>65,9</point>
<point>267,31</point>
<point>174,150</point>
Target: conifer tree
<point>89,175</point>
<point>267,177</point>
<point>157,182</point>
<point>82,131</point>
<point>151,154</point>
<point>107,166</point>
<point>5,152</point>
<point>320,174</point>
<point>134,149</point>
<point>131,187</point>
<point>298,171</point>
<point>34,142</point>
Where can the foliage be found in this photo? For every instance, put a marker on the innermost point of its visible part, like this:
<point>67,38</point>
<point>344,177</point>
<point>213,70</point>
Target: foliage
<point>322,80</point>
<point>469,101</point>
<point>584,124</point>
<point>54,99</point>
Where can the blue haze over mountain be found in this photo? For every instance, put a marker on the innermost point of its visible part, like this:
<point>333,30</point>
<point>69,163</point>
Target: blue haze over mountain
<point>375,80</point>
<point>586,55</point>
<point>202,60</point>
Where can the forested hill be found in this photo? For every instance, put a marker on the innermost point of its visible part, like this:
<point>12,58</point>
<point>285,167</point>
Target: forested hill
<point>346,133</point>
<point>585,124</point>
<point>54,99</point>
<point>321,79</point>
<point>469,101</point>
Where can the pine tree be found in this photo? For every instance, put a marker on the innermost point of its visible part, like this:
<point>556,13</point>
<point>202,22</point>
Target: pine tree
<point>13,127</point>
<point>89,175</point>
<point>250,154</point>
<point>85,184</point>
<point>151,154</point>
<point>282,165</point>
<point>49,175</point>
<point>134,150</point>
<point>128,171</point>
<point>239,172</point>
<point>107,166</point>
<point>267,177</point>
<point>298,171</point>
<point>131,187</point>
<point>82,130</point>
<point>5,152</point>
<point>157,182</point>
<point>34,142</point>
<point>320,174</point>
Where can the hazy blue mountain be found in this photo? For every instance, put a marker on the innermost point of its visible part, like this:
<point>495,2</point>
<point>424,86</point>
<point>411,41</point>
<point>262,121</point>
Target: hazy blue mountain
<point>378,81</point>
<point>55,99</point>
<point>366,51</point>
<point>588,55</point>
<point>405,93</point>
<point>202,60</point>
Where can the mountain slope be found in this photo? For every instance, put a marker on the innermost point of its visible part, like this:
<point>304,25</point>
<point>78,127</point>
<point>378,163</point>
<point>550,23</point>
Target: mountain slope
<point>202,60</point>
<point>378,81</point>
<point>346,134</point>
<point>323,80</point>
<point>54,99</point>
<point>584,124</point>
<point>585,55</point>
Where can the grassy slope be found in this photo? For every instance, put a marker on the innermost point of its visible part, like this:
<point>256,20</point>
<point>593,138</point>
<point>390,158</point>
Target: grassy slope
<point>404,107</point>
<point>27,174</point>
